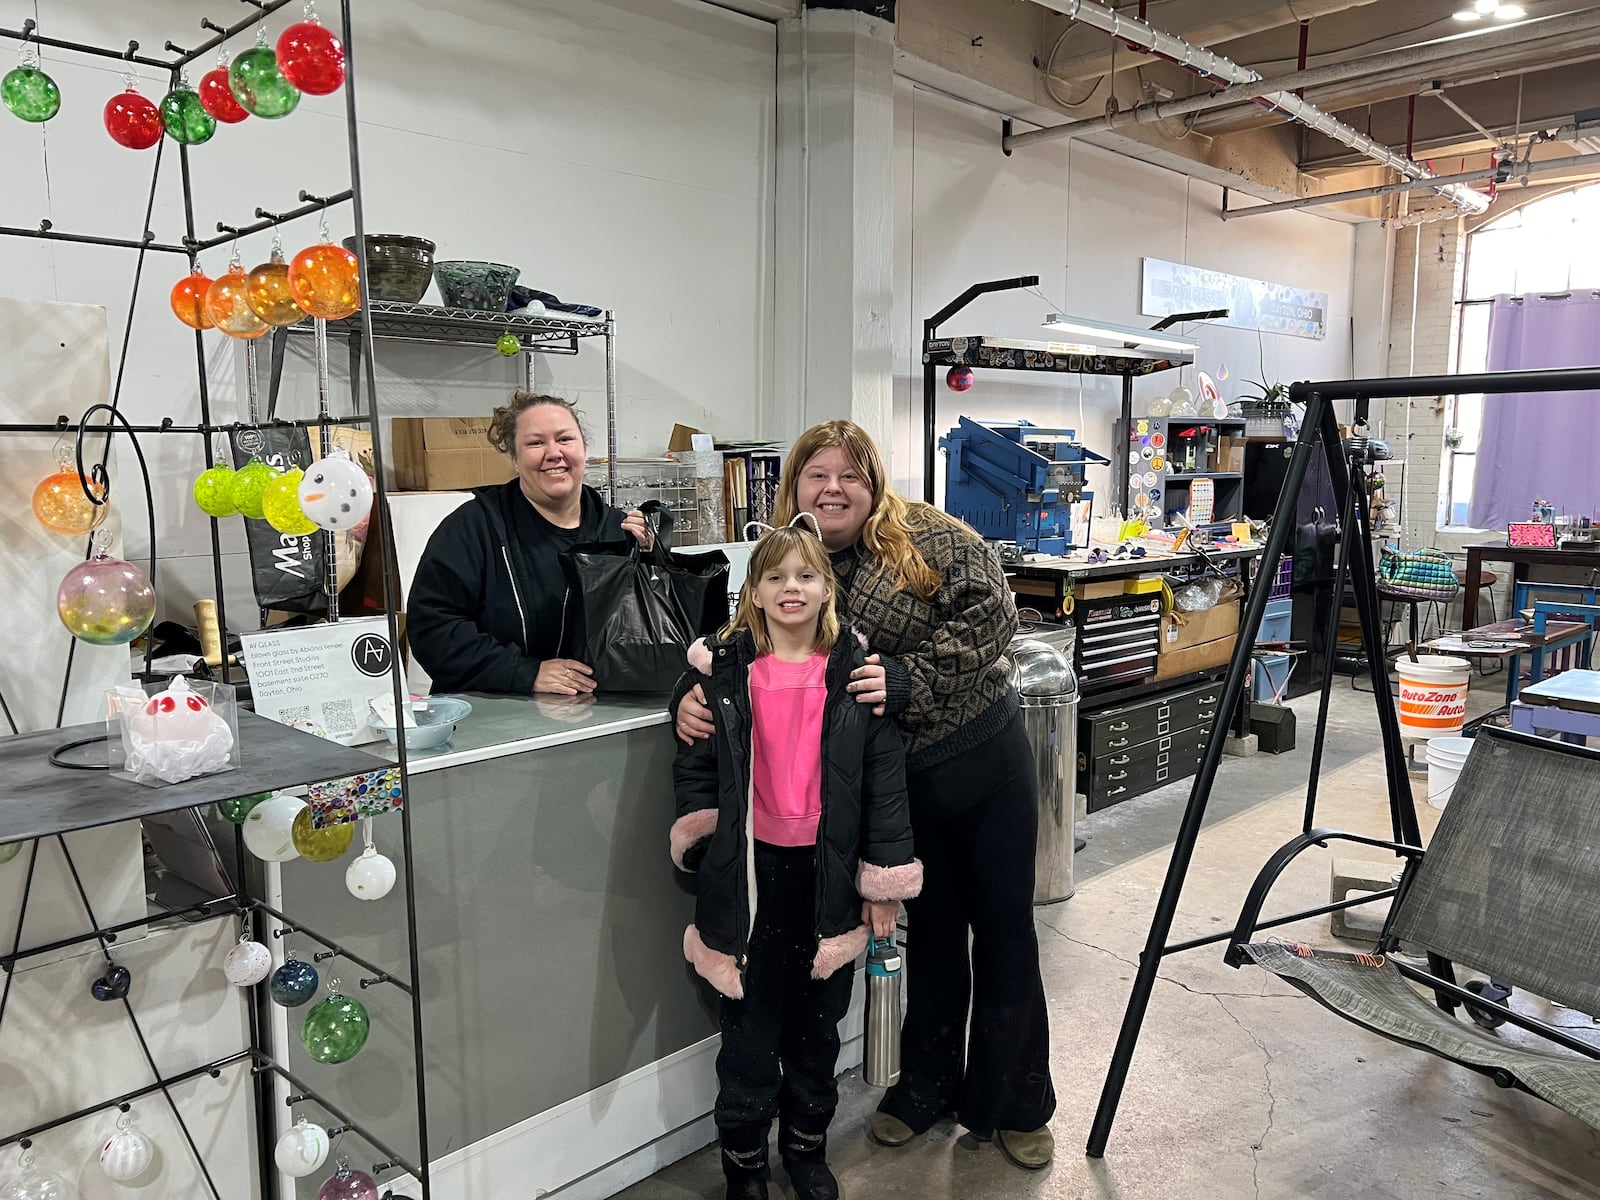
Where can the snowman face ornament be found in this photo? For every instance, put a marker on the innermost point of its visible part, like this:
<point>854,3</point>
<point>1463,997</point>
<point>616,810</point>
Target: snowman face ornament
<point>335,493</point>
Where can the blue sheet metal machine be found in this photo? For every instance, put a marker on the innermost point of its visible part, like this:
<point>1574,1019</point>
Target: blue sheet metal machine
<point>1015,482</point>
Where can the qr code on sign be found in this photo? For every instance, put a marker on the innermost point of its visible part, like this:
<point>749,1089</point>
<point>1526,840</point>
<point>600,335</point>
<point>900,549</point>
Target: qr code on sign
<point>288,716</point>
<point>338,717</point>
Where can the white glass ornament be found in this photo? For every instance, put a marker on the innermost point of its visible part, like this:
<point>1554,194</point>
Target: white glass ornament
<point>126,1155</point>
<point>33,1183</point>
<point>371,876</point>
<point>269,829</point>
<point>302,1149</point>
<point>1183,404</point>
<point>248,963</point>
<point>335,493</point>
<point>1161,406</point>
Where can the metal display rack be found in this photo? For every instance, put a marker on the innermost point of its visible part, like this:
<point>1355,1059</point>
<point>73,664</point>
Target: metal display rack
<point>52,801</point>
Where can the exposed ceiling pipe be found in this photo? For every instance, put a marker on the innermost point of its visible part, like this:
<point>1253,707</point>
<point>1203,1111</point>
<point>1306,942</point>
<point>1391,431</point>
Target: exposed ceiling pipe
<point>1215,66</point>
<point>1439,94</point>
<point>1251,91</point>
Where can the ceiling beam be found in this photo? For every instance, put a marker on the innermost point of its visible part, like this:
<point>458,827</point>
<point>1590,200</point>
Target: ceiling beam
<point>767,10</point>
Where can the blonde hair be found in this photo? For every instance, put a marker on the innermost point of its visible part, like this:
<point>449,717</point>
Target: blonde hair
<point>770,552</point>
<point>887,533</point>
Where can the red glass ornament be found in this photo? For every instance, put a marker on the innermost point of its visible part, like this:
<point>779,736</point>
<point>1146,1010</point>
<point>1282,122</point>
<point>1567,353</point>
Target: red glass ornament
<point>311,58</point>
<point>959,379</point>
<point>216,97</point>
<point>188,300</point>
<point>132,121</point>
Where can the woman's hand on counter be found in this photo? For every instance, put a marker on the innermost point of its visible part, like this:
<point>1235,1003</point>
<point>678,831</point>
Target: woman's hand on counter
<point>635,524</point>
<point>564,677</point>
<point>870,684</point>
<point>694,717</point>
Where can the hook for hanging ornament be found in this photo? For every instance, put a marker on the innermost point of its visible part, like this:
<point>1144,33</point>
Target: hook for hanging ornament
<point>130,82</point>
<point>100,543</point>
<point>366,825</point>
<point>261,30</point>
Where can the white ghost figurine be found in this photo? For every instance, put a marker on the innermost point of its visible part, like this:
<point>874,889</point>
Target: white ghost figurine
<point>175,735</point>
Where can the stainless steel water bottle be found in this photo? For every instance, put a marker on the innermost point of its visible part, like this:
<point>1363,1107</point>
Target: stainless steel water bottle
<point>882,1067</point>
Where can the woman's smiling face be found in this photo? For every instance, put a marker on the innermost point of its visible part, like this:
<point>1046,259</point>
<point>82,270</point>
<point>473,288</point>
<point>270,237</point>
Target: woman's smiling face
<point>550,455</point>
<point>833,489</point>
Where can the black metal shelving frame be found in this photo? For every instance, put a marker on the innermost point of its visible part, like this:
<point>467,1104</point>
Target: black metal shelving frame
<point>370,322</point>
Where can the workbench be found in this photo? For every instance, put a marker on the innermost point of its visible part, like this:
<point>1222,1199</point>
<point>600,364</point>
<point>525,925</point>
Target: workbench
<point>1568,704</point>
<point>1053,578</point>
<point>1520,558</point>
<point>1508,641</point>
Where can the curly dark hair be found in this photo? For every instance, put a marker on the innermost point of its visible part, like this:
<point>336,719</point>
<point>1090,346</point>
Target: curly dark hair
<point>503,424</point>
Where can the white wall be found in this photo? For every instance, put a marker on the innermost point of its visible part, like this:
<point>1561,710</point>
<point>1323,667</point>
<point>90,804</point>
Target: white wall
<point>618,151</point>
<point>1081,219</point>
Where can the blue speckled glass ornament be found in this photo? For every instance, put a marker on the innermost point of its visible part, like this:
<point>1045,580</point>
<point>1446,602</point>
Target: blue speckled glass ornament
<point>293,984</point>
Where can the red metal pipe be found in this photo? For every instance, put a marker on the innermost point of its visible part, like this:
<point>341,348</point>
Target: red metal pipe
<point>1411,125</point>
<point>1305,42</point>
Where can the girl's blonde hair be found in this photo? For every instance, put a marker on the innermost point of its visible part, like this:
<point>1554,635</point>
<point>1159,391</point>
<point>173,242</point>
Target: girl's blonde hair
<point>769,552</point>
<point>887,533</point>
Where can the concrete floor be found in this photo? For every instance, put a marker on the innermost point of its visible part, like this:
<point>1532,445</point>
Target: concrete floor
<point>1242,1087</point>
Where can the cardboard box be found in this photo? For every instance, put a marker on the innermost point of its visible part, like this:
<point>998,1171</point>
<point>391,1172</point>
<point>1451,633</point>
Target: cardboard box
<point>1230,455</point>
<point>1204,639</point>
<point>1099,589</point>
<point>446,454</point>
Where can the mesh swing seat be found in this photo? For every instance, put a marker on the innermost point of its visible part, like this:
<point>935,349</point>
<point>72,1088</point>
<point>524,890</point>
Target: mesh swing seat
<point>1509,885</point>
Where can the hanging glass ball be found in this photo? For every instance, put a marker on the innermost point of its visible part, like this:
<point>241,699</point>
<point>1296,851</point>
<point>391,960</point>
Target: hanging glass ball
<point>269,828</point>
<point>247,964</point>
<point>61,507</point>
<point>346,1184</point>
<point>259,86</point>
<point>320,845</point>
<point>213,491</point>
<point>335,493</point>
<point>10,850</point>
<point>508,344</point>
<point>311,57</point>
<point>132,121</point>
<point>250,486</point>
<point>302,1149</point>
<point>268,294</point>
<point>335,1029</point>
<point>293,984</point>
<point>30,94</point>
<point>106,601</point>
<point>217,97</point>
<point>370,877</point>
<point>238,808</point>
<point>959,379</point>
<point>188,300</point>
<point>326,280</point>
<point>33,1184</point>
<point>280,504</point>
<point>226,305</point>
<point>186,119</point>
<point>126,1155</point>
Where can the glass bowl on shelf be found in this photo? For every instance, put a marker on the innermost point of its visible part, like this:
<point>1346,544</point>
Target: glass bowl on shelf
<point>479,286</point>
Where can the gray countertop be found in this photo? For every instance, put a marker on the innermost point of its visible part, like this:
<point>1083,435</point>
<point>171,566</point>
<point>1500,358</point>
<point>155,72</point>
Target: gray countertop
<point>504,725</point>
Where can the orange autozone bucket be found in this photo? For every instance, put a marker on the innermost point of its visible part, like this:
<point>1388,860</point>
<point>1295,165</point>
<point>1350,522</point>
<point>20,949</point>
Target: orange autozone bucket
<point>1433,695</point>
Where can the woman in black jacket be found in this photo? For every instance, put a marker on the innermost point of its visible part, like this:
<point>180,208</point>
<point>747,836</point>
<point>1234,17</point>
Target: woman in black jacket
<point>489,608</point>
<point>793,815</point>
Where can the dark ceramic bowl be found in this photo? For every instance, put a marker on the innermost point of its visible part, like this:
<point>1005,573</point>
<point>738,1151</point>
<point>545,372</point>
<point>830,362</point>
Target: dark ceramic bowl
<point>481,286</point>
<point>399,266</point>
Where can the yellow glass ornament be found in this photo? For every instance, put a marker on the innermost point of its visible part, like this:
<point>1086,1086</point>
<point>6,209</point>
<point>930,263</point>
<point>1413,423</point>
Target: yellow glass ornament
<point>268,294</point>
<point>188,300</point>
<point>226,305</point>
<point>320,845</point>
<point>250,486</point>
<point>326,280</point>
<point>61,506</point>
<point>280,503</point>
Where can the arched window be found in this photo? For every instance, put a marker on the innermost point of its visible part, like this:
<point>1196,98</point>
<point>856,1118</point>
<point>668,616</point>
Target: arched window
<point>1549,246</point>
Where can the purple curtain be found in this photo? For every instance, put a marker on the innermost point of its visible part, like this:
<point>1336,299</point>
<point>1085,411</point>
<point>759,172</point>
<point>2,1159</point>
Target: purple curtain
<point>1545,445</point>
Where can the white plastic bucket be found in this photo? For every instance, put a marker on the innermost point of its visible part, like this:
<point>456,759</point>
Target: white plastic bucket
<point>1433,695</point>
<point>1446,757</point>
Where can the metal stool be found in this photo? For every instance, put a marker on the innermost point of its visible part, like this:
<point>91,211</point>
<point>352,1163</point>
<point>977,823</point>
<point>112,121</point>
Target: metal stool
<point>1486,582</point>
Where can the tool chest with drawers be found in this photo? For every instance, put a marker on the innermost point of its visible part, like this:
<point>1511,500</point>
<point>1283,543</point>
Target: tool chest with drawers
<point>1136,747</point>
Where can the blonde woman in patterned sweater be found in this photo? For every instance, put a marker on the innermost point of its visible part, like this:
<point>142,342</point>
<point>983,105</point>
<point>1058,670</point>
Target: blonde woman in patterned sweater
<point>935,608</point>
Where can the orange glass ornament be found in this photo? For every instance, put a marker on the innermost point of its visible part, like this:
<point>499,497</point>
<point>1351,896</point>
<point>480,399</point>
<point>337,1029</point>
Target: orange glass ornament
<point>61,506</point>
<point>326,281</point>
<point>268,294</point>
<point>189,300</point>
<point>225,303</point>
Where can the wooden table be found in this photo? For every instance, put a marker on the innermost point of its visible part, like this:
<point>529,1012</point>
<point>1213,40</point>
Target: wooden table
<point>1520,558</point>
<point>1508,641</point>
<point>1568,704</point>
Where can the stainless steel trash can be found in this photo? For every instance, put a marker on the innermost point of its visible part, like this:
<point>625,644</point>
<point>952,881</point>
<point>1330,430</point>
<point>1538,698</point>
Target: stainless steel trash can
<point>1042,675</point>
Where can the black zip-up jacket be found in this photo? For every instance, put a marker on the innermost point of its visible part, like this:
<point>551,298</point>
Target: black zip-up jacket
<point>864,847</point>
<point>485,608</point>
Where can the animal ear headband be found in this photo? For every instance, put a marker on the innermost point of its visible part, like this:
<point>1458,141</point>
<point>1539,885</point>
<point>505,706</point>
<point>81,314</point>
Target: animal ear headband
<point>804,520</point>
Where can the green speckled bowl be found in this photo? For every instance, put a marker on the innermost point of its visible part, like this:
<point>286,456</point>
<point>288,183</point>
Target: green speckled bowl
<point>481,286</point>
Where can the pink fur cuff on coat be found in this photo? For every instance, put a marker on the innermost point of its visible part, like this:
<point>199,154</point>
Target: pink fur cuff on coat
<point>689,829</point>
<point>889,883</point>
<point>716,968</point>
<point>835,952</point>
<point>700,656</point>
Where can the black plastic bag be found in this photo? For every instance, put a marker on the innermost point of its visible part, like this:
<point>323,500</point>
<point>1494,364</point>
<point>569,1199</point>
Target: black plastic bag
<point>289,572</point>
<point>643,608</point>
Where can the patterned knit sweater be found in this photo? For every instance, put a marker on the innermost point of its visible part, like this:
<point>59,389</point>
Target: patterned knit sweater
<point>947,680</point>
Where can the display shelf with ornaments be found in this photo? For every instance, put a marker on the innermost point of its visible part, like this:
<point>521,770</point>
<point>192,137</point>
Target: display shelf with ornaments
<point>239,87</point>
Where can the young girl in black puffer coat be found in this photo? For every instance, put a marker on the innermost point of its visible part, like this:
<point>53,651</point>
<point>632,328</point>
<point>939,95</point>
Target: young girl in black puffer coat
<point>794,816</point>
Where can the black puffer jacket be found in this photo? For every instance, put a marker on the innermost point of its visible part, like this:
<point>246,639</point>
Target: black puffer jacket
<point>864,848</point>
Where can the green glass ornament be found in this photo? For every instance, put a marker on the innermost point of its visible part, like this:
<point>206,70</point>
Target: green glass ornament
<point>250,486</point>
<point>259,86</point>
<point>30,94</point>
<point>237,809</point>
<point>213,491</point>
<point>509,345</point>
<point>335,1029</point>
<point>10,850</point>
<point>186,119</point>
